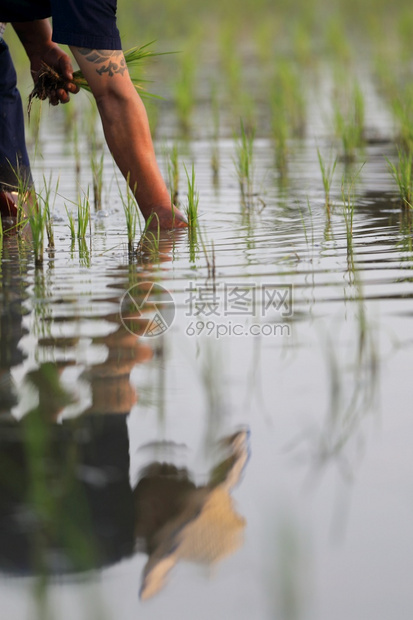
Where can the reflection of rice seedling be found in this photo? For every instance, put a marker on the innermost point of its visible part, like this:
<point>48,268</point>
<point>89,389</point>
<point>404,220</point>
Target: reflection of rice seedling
<point>244,164</point>
<point>84,253</point>
<point>402,174</point>
<point>348,212</point>
<point>210,259</point>
<point>130,209</point>
<point>193,200</point>
<point>406,241</point>
<point>347,193</point>
<point>305,227</point>
<point>193,244</point>
<point>327,173</point>
<point>173,174</point>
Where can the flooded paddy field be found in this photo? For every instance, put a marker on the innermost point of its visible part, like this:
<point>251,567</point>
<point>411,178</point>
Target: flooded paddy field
<point>216,423</point>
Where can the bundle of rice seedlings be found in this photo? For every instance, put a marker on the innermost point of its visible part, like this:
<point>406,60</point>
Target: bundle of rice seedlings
<point>49,80</point>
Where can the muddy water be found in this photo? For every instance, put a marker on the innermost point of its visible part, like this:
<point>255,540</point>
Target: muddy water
<point>253,459</point>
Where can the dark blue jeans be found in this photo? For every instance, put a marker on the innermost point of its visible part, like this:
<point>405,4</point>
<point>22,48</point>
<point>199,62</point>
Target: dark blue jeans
<point>14,161</point>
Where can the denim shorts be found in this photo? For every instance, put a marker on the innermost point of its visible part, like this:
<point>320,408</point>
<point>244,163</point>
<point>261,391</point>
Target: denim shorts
<point>14,161</point>
<point>82,23</point>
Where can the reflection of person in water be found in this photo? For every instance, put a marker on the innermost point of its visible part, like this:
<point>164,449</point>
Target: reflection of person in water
<point>13,292</point>
<point>66,503</point>
<point>177,520</point>
<point>66,500</point>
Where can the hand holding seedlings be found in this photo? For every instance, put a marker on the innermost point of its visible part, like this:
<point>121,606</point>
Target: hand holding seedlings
<point>51,70</point>
<point>104,69</point>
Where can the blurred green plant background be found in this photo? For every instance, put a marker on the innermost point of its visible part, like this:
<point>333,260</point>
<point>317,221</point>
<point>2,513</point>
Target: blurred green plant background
<point>236,56</point>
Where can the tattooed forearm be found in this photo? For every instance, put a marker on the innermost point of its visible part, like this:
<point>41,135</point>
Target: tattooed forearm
<point>108,61</point>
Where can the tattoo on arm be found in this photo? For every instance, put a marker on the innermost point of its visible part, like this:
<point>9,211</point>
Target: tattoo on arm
<point>107,61</point>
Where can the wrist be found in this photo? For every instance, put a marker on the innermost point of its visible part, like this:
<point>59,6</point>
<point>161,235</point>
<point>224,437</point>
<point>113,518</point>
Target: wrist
<point>35,36</point>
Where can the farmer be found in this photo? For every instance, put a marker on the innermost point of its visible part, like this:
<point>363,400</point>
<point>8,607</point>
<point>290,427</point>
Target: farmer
<point>89,28</point>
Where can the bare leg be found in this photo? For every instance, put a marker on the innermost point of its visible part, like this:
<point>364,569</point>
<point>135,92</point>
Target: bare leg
<point>127,133</point>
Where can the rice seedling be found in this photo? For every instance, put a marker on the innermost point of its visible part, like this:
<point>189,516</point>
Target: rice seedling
<point>231,62</point>
<point>327,173</point>
<point>185,91</point>
<point>215,164</point>
<point>83,216</point>
<point>402,108</point>
<point>359,111</point>
<point>337,41</point>
<point>402,174</point>
<point>150,233</point>
<point>30,212</point>
<point>76,150</point>
<point>191,209</point>
<point>349,124</point>
<point>279,130</point>
<point>173,174</point>
<point>266,33</point>
<point>404,28</point>
<point>37,222</point>
<point>69,113</point>
<point>45,197</point>
<point>72,225</point>
<point>288,81</point>
<point>153,117</point>
<point>48,80</point>
<point>96,164</point>
<point>287,109</point>
<point>147,249</point>
<point>303,51</point>
<point>244,164</point>
<point>130,209</point>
